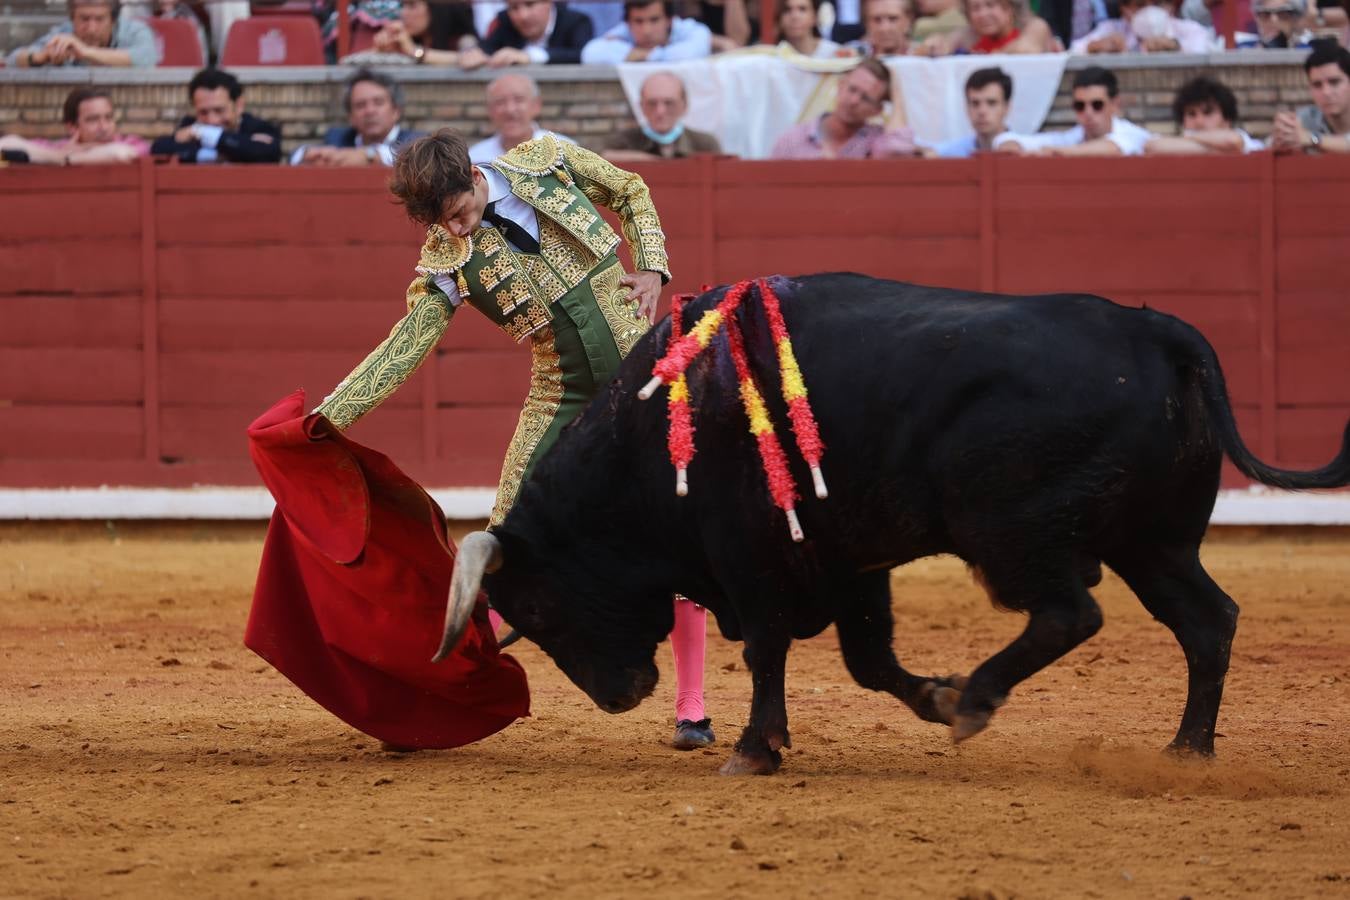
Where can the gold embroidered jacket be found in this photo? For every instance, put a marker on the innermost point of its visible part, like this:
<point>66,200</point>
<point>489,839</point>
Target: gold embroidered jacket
<point>563,183</point>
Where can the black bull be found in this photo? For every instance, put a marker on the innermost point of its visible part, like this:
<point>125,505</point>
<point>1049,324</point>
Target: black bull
<point>1033,437</point>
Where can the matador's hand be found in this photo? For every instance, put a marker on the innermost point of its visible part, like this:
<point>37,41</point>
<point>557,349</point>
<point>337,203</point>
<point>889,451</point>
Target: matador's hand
<point>645,288</point>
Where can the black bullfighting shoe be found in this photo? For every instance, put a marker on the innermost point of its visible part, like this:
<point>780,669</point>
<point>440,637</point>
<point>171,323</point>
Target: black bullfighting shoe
<point>690,735</point>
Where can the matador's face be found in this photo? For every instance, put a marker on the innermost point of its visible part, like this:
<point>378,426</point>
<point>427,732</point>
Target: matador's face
<point>462,213</point>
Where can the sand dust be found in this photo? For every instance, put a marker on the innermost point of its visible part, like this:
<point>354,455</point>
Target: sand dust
<point>144,752</point>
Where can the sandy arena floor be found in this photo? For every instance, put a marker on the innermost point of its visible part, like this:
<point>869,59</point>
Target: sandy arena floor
<point>144,752</point>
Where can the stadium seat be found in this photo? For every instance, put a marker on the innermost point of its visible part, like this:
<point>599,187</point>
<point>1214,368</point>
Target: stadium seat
<point>273,41</point>
<point>176,42</point>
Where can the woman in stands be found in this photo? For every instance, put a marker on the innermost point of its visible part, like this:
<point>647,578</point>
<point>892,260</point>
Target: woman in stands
<point>427,33</point>
<point>996,26</point>
<point>799,29</point>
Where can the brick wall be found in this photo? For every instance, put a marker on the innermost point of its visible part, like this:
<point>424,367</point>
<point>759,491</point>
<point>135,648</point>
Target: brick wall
<point>585,102</point>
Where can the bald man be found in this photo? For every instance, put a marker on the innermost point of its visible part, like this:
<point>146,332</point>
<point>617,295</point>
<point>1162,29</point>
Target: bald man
<point>664,103</point>
<point>513,106</point>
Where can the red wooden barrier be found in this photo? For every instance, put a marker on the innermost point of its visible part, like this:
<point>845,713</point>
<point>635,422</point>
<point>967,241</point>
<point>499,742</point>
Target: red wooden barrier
<point>147,314</point>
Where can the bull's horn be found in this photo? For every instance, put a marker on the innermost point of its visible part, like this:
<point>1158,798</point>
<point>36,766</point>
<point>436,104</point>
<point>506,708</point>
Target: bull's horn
<point>479,552</point>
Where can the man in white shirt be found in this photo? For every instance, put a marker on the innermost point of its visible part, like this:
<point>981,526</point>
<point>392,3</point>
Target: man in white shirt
<point>1206,114</point>
<point>513,106</point>
<point>988,93</point>
<point>650,32</point>
<point>1100,130</point>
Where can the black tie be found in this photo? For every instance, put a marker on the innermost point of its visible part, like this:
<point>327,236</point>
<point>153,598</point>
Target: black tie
<point>514,232</point>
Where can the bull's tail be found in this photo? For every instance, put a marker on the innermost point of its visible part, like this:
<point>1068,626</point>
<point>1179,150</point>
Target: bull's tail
<point>1215,391</point>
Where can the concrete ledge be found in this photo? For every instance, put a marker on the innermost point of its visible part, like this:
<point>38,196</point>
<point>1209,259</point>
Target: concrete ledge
<point>1253,506</point>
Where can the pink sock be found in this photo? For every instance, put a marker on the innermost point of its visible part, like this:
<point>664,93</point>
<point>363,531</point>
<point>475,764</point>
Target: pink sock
<point>495,621</point>
<point>687,642</point>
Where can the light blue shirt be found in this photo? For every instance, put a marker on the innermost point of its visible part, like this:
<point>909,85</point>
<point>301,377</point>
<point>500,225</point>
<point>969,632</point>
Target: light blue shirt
<point>131,36</point>
<point>688,40</point>
<point>957,148</point>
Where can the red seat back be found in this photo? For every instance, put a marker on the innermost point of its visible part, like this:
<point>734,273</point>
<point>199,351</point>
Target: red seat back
<point>273,41</point>
<point>177,42</point>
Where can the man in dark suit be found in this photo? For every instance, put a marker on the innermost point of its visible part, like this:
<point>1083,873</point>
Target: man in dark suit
<point>531,32</point>
<point>220,130</point>
<point>373,135</point>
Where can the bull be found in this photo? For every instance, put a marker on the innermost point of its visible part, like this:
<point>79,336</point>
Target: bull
<point>1035,438</point>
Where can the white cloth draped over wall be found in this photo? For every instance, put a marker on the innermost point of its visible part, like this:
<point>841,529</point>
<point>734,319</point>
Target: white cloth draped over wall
<point>748,98</point>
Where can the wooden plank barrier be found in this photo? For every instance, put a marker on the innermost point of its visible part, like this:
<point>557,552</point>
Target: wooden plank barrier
<point>147,314</point>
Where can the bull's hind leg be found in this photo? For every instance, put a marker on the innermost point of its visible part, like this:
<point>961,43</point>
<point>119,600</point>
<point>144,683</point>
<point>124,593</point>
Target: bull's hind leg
<point>1062,616</point>
<point>1178,592</point>
<point>866,630</point>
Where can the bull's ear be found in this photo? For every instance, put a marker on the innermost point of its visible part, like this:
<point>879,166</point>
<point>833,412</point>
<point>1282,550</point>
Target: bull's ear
<point>479,553</point>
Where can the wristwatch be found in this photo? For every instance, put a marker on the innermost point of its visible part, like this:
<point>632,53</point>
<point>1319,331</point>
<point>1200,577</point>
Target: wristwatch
<point>420,54</point>
<point>371,154</point>
<point>1314,143</point>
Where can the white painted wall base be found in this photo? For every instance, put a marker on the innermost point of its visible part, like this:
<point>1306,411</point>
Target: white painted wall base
<point>1253,506</point>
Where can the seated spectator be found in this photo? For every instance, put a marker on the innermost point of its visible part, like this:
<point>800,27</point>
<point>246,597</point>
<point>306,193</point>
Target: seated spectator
<point>799,28</point>
<point>92,122</point>
<point>513,106</point>
<point>96,34</point>
<point>730,23</point>
<point>1206,114</point>
<point>886,25</point>
<point>1100,130</point>
<point>938,17</point>
<point>996,26</point>
<point>650,32</point>
<point>430,33</point>
<point>219,130</point>
<point>845,133</point>
<point>988,93</point>
<point>532,32</point>
<point>1146,26</point>
<point>664,103</point>
<point>1279,23</point>
<point>1323,127</point>
<point>374,104</point>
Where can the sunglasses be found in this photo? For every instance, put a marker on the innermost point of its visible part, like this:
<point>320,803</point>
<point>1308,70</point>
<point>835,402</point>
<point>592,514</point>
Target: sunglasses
<point>1285,13</point>
<point>1097,105</point>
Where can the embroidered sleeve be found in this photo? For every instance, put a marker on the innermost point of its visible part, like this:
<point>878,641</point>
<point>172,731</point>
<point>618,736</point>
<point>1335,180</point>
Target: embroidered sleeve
<point>604,184</point>
<point>393,361</point>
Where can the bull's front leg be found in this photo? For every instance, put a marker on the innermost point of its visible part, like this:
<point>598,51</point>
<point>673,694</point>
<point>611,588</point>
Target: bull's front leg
<point>757,751</point>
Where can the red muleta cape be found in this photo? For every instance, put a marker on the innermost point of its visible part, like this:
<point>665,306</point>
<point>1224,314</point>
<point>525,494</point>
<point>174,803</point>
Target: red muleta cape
<point>351,593</point>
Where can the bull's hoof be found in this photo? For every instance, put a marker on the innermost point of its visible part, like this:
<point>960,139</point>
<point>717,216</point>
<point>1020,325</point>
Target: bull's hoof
<point>1187,750</point>
<point>969,724</point>
<point>957,681</point>
<point>752,763</point>
<point>945,700</point>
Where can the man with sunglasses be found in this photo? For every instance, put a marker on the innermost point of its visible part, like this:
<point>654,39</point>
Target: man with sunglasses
<point>1323,127</point>
<point>1278,24</point>
<point>1100,130</point>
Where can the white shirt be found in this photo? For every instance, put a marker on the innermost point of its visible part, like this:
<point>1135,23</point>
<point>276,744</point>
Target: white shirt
<point>1126,135</point>
<point>509,206</point>
<point>488,149</point>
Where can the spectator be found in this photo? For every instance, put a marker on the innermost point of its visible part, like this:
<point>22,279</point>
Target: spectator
<point>532,32</point>
<point>425,32</point>
<point>730,24</point>
<point>174,9</point>
<point>1148,26</point>
<point>988,93</point>
<point>799,28</point>
<point>513,106</point>
<point>938,17</point>
<point>664,103</point>
<point>1279,23</point>
<point>92,122</point>
<point>1323,127</point>
<point>650,32</point>
<point>1206,114</point>
<point>845,133</point>
<point>886,25</point>
<point>374,104</point>
<point>1100,130</point>
<point>96,34</point>
<point>219,130</point>
<point>996,26</point>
